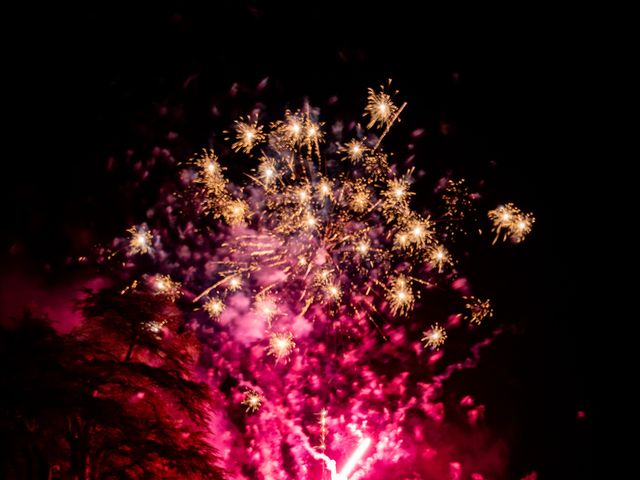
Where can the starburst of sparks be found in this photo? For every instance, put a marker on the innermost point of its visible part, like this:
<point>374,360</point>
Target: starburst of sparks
<point>233,283</point>
<point>140,241</point>
<point>248,134</point>
<point>252,400</point>
<point>267,307</point>
<point>435,337</point>
<point>511,223</point>
<point>235,212</point>
<point>401,296</point>
<point>478,309</point>
<point>267,172</point>
<point>280,345</point>
<point>360,197</point>
<point>214,307</point>
<point>380,108</point>
<point>164,286</point>
<point>439,257</point>
<point>155,326</point>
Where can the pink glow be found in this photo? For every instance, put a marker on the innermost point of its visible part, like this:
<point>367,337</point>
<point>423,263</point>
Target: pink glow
<point>353,461</point>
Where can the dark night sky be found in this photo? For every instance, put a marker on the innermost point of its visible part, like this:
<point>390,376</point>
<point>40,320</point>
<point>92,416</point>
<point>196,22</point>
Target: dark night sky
<point>92,84</point>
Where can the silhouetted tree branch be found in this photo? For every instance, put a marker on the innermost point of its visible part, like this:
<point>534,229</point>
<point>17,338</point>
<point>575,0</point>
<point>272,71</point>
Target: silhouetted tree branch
<point>113,399</point>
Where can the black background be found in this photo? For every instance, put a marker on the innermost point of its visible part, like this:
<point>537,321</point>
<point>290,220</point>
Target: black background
<point>509,85</point>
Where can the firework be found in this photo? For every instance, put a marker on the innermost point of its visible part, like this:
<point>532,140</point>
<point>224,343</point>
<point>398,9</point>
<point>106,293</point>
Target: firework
<point>214,307</point>
<point>400,296</point>
<point>233,283</point>
<point>306,273</point>
<point>360,200</point>
<point>164,286</point>
<point>210,175</point>
<point>311,213</point>
<point>458,201</point>
<point>266,306</point>
<point>281,345</point>
<point>478,309</point>
<point>140,241</point>
<point>252,400</point>
<point>439,257</point>
<point>248,134</point>
<point>154,327</point>
<point>355,150</point>
<point>511,223</point>
<point>435,337</point>
<point>322,420</point>
<point>380,108</point>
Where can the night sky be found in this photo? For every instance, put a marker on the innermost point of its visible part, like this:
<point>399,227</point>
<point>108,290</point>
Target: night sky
<point>494,97</point>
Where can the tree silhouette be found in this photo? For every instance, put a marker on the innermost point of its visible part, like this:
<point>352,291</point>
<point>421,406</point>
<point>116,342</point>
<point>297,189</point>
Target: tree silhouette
<point>36,387</point>
<point>112,399</point>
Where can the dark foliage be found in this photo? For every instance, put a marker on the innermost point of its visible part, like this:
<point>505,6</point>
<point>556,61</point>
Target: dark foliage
<point>112,399</point>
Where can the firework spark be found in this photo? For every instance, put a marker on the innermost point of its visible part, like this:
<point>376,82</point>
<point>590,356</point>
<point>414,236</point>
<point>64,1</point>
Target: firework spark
<point>478,309</point>
<point>164,286</point>
<point>281,345</point>
<point>380,108</point>
<point>510,222</point>
<point>252,400</point>
<point>267,307</point>
<point>439,257</point>
<point>233,283</point>
<point>140,241</point>
<point>322,420</point>
<point>214,307</point>
<point>435,337</point>
<point>355,150</point>
<point>248,134</point>
<point>401,296</point>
